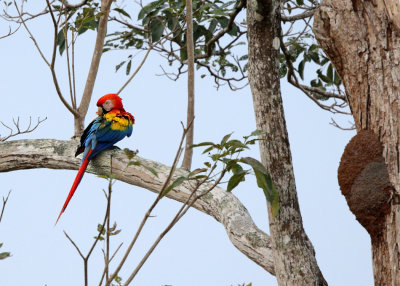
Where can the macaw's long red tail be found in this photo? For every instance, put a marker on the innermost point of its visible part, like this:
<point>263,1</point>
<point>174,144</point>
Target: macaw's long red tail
<point>78,178</point>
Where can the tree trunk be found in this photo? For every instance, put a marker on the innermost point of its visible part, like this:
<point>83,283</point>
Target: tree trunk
<point>362,39</point>
<point>294,255</point>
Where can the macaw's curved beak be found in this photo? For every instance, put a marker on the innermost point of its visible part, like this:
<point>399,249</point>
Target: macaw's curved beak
<point>100,111</point>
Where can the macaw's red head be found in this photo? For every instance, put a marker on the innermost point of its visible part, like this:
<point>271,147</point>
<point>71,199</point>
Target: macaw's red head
<point>110,101</point>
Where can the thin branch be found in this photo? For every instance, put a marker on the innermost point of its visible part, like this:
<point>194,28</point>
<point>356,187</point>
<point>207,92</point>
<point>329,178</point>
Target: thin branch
<point>53,61</point>
<point>335,124</point>
<point>30,35</point>
<point>188,155</point>
<point>71,93</point>
<point>154,204</point>
<point>130,26</point>
<point>73,67</point>
<point>19,131</point>
<point>74,244</point>
<point>10,32</point>
<point>5,200</point>
<point>304,15</point>
<point>181,212</point>
<point>137,69</point>
<point>151,46</point>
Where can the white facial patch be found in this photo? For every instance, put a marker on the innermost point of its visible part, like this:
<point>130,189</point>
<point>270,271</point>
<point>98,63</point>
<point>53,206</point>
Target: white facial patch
<point>108,105</point>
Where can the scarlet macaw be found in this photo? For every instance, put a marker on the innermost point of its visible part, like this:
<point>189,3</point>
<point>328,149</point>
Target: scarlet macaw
<point>112,125</point>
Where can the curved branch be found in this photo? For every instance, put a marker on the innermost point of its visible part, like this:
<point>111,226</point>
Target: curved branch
<point>221,205</point>
<point>304,15</point>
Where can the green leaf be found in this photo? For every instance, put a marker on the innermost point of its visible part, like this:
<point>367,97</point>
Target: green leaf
<point>201,144</point>
<point>301,69</point>
<point>101,229</point>
<point>149,8</point>
<point>197,171</point>
<point>183,54</point>
<point>4,255</point>
<point>151,170</point>
<point>129,153</point>
<point>264,181</point>
<point>123,12</point>
<point>61,41</point>
<point>225,138</point>
<point>299,2</point>
<point>256,133</point>
<point>213,25</point>
<point>236,144</point>
<point>207,149</point>
<point>157,28</point>
<point>235,180</point>
<point>115,232</point>
<point>175,184</point>
<point>329,73</point>
<point>128,67</point>
<point>337,80</point>
<point>135,163</point>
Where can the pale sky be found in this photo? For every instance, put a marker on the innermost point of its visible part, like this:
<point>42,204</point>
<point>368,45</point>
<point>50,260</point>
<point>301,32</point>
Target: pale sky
<point>197,251</point>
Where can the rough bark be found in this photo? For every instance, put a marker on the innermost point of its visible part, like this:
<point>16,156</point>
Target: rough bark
<point>294,255</point>
<point>221,205</point>
<point>362,39</point>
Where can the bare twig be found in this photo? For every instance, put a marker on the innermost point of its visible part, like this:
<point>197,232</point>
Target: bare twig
<point>30,34</point>
<point>130,26</point>
<point>307,14</point>
<point>10,32</point>
<point>180,213</point>
<point>148,213</point>
<point>151,46</point>
<point>74,244</point>
<point>71,92</point>
<point>137,69</point>
<point>86,258</point>
<point>53,61</point>
<point>5,200</point>
<point>335,124</point>
<point>18,129</point>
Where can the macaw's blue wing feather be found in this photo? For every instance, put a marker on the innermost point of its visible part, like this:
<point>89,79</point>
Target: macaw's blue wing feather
<point>106,131</point>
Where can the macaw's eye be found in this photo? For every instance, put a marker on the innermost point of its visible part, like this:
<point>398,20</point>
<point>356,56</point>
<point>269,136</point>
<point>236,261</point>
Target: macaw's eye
<point>108,105</point>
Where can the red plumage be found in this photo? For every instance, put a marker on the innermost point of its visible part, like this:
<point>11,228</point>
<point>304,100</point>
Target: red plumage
<point>77,180</point>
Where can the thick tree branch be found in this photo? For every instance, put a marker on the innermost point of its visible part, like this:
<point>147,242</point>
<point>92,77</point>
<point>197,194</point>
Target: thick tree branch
<point>94,66</point>
<point>223,206</point>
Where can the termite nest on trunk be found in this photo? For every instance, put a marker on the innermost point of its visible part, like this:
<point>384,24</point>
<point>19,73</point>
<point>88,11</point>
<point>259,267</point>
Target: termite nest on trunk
<point>364,181</point>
